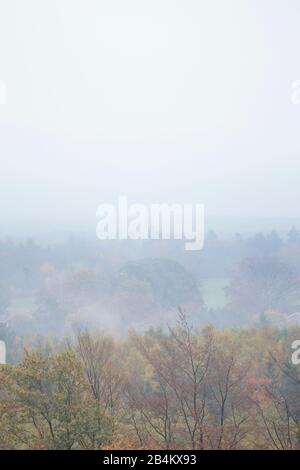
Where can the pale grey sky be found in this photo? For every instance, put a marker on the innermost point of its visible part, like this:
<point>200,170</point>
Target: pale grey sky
<point>160,100</point>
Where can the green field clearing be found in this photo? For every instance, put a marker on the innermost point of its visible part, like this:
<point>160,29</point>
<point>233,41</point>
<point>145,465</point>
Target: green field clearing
<point>23,303</point>
<point>213,292</point>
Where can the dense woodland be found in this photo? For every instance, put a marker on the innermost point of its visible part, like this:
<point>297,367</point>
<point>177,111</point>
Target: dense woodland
<point>117,346</point>
<point>185,388</point>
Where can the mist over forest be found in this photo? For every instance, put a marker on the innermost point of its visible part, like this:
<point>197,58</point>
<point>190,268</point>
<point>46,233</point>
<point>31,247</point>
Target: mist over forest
<point>55,290</point>
<point>111,339</point>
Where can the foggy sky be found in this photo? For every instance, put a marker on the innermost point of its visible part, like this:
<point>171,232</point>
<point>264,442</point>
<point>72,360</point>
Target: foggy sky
<point>161,100</point>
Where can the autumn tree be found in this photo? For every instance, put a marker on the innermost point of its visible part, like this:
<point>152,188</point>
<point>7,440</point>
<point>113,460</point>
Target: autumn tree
<point>48,404</point>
